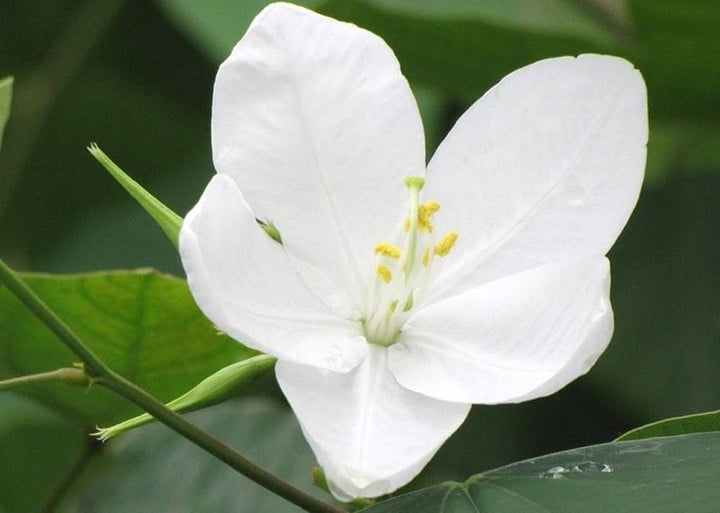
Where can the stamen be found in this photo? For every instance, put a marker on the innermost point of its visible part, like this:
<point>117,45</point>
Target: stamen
<point>426,257</point>
<point>425,213</point>
<point>414,185</point>
<point>409,303</point>
<point>443,247</point>
<point>431,206</point>
<point>384,273</point>
<point>387,250</point>
<point>405,271</point>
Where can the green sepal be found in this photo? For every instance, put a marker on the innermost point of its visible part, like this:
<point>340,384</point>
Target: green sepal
<point>218,387</point>
<point>317,475</point>
<point>168,220</point>
<point>6,86</point>
<point>271,230</point>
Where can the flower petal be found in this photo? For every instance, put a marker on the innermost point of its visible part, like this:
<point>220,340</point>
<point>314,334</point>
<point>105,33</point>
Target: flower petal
<point>369,434</point>
<point>314,121</point>
<point>545,166</point>
<point>515,339</point>
<point>244,282</point>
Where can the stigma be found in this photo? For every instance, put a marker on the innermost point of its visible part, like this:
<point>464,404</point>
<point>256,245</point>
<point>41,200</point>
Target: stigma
<point>405,268</point>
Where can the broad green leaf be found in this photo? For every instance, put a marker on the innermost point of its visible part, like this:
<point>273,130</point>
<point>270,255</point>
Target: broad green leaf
<point>38,448</point>
<point>698,423</point>
<point>153,469</point>
<point>673,474</point>
<point>6,85</point>
<point>143,324</point>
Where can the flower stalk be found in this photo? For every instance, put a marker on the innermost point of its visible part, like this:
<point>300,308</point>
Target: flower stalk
<point>68,375</point>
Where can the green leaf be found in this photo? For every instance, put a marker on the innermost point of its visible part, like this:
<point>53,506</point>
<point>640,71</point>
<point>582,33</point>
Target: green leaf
<point>155,470</point>
<point>6,85</point>
<point>560,17</point>
<point>460,46</point>
<point>673,474</point>
<point>216,26</point>
<point>143,324</point>
<point>682,78</point>
<point>169,221</point>
<point>662,361</point>
<point>697,423</point>
<point>464,56</point>
<point>39,449</point>
<point>681,146</point>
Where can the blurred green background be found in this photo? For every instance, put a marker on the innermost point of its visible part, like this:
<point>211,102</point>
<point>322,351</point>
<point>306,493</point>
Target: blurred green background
<point>136,77</point>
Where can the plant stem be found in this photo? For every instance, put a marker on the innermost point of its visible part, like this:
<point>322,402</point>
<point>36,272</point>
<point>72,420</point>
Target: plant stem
<point>103,375</point>
<point>69,375</point>
<point>93,365</point>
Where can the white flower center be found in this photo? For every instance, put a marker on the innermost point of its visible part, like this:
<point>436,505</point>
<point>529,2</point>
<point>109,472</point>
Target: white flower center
<point>404,272</point>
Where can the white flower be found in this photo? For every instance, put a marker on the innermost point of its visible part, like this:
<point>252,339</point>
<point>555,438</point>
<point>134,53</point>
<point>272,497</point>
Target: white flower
<point>395,301</point>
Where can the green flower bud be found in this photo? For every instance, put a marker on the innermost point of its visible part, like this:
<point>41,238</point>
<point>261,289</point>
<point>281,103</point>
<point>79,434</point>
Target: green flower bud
<point>222,385</point>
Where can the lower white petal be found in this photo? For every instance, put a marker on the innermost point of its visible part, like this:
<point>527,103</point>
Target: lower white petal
<point>514,339</point>
<point>369,434</point>
<point>244,282</point>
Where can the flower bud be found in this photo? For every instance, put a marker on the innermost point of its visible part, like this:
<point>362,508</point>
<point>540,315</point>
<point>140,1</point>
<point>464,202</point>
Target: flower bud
<point>218,387</point>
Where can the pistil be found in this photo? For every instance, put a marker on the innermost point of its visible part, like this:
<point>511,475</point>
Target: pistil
<point>403,276</point>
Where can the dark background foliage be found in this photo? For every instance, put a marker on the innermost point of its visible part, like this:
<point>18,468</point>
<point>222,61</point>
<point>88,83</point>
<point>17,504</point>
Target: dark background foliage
<point>137,77</point>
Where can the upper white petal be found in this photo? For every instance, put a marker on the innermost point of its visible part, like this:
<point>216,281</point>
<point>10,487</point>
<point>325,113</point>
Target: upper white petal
<point>517,338</point>
<point>244,282</point>
<point>369,434</point>
<point>314,121</point>
<point>545,166</point>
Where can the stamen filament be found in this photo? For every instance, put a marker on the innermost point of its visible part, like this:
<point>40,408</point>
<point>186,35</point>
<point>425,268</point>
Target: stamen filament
<point>426,257</point>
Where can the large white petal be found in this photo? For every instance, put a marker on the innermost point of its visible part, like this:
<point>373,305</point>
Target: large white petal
<point>518,338</point>
<point>546,166</point>
<point>314,121</point>
<point>369,434</point>
<point>244,282</point>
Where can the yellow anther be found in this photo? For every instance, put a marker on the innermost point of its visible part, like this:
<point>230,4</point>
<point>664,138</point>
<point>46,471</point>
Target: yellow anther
<point>425,224</point>
<point>406,224</point>
<point>425,213</point>
<point>387,250</point>
<point>426,257</point>
<point>443,247</point>
<point>431,206</point>
<point>384,273</point>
